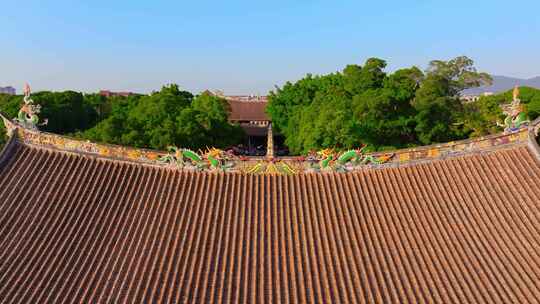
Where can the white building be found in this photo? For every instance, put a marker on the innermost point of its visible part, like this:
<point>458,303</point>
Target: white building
<point>473,98</point>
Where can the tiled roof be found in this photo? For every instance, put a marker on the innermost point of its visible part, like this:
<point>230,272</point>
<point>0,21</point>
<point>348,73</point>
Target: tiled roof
<point>78,227</point>
<point>248,110</point>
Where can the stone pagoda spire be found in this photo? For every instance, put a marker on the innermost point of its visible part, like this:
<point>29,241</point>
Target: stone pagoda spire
<point>270,142</point>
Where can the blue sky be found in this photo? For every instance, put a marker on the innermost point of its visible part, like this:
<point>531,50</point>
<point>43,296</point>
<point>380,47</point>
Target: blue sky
<point>245,47</point>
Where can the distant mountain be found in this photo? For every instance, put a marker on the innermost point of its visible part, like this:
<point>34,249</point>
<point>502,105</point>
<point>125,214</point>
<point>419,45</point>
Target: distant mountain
<point>503,83</point>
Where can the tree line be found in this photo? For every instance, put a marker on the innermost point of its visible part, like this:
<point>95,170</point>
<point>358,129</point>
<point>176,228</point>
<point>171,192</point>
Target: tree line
<point>360,105</point>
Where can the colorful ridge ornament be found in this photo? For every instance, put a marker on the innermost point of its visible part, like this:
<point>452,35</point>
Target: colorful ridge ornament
<point>212,159</point>
<point>27,116</point>
<point>515,118</point>
<point>328,160</point>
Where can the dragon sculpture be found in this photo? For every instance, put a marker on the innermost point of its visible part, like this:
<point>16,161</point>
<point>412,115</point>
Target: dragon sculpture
<point>217,160</point>
<point>27,116</point>
<point>515,118</point>
<point>212,158</point>
<point>331,161</point>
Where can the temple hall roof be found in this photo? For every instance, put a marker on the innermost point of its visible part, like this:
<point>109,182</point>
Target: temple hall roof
<point>89,223</point>
<point>248,110</point>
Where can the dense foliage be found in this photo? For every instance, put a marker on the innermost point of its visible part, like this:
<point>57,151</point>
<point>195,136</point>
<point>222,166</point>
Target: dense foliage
<point>167,117</point>
<point>365,105</point>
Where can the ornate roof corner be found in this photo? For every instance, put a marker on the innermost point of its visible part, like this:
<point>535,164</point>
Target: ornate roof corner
<point>515,117</point>
<point>11,128</point>
<point>28,114</point>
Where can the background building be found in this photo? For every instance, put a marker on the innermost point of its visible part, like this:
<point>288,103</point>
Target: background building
<point>107,93</point>
<point>473,98</point>
<point>8,90</point>
<point>249,111</point>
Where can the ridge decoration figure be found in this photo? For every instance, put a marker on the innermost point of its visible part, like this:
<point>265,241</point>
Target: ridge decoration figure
<point>515,118</point>
<point>328,160</point>
<point>28,114</point>
<point>212,158</point>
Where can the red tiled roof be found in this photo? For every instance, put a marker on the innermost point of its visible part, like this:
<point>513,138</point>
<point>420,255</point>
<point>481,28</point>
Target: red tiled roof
<point>248,111</point>
<point>81,228</point>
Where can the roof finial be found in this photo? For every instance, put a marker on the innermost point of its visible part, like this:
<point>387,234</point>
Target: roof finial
<point>27,91</point>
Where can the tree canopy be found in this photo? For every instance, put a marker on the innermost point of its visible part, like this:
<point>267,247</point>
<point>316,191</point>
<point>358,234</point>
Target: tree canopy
<point>366,105</point>
<point>168,117</point>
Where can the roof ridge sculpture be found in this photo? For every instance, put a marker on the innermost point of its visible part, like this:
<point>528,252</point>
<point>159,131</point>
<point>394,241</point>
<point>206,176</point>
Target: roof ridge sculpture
<point>28,114</point>
<point>327,160</point>
<point>217,160</point>
<point>515,117</point>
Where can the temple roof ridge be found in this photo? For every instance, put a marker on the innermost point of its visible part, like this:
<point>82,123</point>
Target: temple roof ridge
<point>215,159</point>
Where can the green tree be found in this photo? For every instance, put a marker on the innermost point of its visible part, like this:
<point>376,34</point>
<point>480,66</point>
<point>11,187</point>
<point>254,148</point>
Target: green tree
<point>344,110</point>
<point>435,108</point>
<point>326,123</point>
<point>459,73</point>
<point>102,105</point>
<point>66,112</point>
<point>359,79</point>
<point>533,107</point>
<point>168,117</point>
<point>205,124</point>
<point>440,112</point>
<point>385,114</point>
<point>365,105</point>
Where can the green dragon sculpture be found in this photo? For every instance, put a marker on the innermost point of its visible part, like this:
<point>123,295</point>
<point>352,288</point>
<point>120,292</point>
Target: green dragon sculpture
<point>329,160</point>
<point>213,159</point>
<point>515,118</point>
